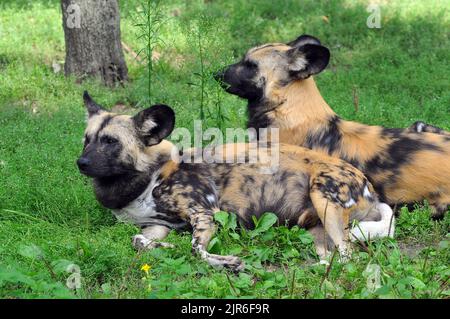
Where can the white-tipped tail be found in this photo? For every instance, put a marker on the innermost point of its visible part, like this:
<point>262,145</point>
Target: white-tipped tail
<point>366,230</point>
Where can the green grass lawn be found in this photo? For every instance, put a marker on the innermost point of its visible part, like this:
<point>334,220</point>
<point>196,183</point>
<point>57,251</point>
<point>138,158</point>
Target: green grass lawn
<point>49,217</point>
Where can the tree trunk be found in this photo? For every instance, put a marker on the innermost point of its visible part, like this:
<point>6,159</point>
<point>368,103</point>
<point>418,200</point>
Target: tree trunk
<point>92,36</point>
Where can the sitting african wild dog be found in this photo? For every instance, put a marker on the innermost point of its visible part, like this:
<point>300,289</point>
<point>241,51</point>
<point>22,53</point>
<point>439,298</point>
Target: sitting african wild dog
<point>403,165</point>
<point>135,175</point>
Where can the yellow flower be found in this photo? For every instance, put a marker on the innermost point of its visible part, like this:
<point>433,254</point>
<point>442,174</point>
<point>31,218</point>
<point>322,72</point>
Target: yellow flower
<point>146,268</point>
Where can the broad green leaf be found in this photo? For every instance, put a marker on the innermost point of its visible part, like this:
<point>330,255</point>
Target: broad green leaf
<point>444,244</point>
<point>255,221</point>
<point>266,221</point>
<point>31,251</point>
<point>221,218</point>
<point>235,250</point>
<point>215,246</point>
<point>267,235</point>
<point>384,290</point>
<point>243,281</point>
<point>306,238</point>
<point>232,222</point>
<point>235,236</point>
<point>268,284</point>
<point>183,269</point>
<point>60,265</point>
<point>351,269</point>
<point>15,276</point>
<point>414,282</point>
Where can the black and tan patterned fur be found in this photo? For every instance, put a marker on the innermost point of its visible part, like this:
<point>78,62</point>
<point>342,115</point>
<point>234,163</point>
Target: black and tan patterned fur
<point>419,127</point>
<point>404,165</point>
<point>135,175</point>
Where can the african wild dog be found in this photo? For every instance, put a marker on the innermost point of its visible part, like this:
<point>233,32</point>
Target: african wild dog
<point>403,165</point>
<point>135,175</point>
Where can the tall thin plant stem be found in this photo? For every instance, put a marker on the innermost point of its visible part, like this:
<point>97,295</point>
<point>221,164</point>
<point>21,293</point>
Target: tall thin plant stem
<point>202,76</point>
<point>149,21</point>
<point>149,50</point>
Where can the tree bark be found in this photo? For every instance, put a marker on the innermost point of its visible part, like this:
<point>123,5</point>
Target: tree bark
<point>92,37</point>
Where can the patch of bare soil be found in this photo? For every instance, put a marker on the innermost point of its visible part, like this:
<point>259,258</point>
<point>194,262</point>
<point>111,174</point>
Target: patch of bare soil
<point>411,250</point>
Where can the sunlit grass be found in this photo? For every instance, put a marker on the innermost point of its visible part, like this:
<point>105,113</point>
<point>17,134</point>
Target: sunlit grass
<point>399,73</point>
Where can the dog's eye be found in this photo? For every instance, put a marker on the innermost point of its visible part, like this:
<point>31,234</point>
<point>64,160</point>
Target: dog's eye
<point>108,140</point>
<point>87,140</point>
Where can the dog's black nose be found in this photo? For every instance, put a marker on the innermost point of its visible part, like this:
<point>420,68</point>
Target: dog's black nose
<point>83,163</point>
<point>218,76</point>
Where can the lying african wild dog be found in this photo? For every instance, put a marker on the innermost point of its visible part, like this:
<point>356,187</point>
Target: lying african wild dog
<point>403,165</point>
<point>134,175</point>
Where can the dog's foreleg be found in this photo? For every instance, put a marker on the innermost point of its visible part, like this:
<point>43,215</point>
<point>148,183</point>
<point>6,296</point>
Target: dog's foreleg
<point>203,229</point>
<point>150,237</point>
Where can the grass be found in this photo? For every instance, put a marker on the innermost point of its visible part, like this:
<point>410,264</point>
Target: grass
<point>49,217</point>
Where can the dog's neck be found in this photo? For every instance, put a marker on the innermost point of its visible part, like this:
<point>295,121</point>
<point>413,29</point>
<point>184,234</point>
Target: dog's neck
<point>116,192</point>
<point>295,109</point>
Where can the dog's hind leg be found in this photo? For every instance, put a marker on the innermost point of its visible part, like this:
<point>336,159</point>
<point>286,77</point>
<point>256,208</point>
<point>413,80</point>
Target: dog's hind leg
<point>335,219</point>
<point>322,242</point>
<point>364,230</point>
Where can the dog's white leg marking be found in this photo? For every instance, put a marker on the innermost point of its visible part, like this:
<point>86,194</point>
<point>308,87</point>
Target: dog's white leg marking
<point>150,237</point>
<point>231,262</point>
<point>203,229</point>
<point>371,229</point>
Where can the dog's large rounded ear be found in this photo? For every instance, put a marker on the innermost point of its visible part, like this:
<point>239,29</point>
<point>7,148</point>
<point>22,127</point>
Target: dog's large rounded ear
<point>154,124</point>
<point>92,107</point>
<point>307,60</point>
<point>304,39</point>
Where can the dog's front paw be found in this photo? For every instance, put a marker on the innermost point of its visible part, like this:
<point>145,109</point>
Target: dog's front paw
<point>323,262</point>
<point>233,263</point>
<point>140,242</point>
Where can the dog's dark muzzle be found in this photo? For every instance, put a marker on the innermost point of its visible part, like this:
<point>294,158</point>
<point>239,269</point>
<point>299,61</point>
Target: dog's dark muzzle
<point>83,164</point>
